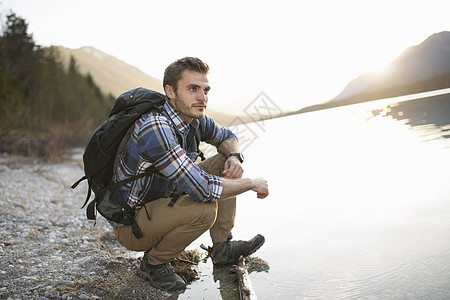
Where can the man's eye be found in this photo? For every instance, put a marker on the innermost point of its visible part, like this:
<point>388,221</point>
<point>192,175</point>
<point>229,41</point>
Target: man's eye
<point>193,89</point>
<point>206,91</point>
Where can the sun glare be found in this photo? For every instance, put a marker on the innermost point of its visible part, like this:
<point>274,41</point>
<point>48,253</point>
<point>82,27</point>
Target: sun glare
<point>381,70</point>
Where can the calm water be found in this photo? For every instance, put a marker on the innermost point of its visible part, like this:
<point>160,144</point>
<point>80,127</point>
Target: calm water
<point>359,205</point>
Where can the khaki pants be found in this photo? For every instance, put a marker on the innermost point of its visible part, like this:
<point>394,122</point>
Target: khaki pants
<point>171,229</point>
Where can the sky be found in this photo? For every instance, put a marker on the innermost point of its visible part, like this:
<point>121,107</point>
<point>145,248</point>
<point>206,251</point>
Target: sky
<point>297,53</point>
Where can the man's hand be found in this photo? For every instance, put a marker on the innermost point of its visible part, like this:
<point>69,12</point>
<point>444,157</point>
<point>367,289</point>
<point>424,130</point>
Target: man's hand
<point>261,187</point>
<point>233,168</point>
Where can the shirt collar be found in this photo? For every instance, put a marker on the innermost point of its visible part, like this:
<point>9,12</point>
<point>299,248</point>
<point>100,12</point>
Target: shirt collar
<point>177,119</point>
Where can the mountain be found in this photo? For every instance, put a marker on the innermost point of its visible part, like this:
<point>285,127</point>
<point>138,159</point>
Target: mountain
<point>115,76</point>
<point>110,73</point>
<point>419,68</point>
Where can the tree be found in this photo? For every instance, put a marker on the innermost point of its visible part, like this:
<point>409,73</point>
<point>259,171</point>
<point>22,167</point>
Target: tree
<point>39,97</point>
<point>17,52</point>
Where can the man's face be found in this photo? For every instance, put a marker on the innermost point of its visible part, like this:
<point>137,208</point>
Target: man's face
<point>191,97</point>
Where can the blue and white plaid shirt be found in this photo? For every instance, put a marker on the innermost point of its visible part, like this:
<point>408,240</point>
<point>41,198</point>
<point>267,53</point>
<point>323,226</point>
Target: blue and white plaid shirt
<point>153,141</point>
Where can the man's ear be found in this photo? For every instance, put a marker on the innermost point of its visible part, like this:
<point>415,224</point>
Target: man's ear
<point>170,93</point>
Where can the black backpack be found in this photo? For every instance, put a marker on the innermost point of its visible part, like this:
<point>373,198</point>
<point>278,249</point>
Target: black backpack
<point>103,149</point>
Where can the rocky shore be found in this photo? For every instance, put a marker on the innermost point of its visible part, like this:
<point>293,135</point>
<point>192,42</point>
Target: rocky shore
<point>48,249</point>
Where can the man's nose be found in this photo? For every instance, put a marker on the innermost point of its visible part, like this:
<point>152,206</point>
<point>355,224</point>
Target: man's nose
<point>202,96</point>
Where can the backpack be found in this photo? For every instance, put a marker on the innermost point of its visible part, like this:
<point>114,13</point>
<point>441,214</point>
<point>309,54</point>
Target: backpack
<point>103,150</point>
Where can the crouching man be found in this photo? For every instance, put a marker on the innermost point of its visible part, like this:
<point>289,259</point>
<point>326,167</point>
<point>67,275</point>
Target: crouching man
<point>184,199</point>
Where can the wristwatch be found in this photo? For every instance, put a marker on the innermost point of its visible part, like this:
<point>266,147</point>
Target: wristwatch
<point>238,155</point>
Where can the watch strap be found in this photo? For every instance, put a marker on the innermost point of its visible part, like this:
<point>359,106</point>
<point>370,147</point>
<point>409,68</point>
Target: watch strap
<point>238,155</point>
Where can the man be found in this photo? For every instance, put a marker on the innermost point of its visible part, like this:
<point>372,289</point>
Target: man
<point>170,222</point>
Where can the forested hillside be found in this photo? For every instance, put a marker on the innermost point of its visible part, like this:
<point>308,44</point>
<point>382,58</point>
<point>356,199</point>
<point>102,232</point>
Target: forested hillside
<point>45,107</point>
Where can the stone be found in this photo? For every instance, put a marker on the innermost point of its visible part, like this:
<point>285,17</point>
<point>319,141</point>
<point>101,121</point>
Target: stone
<point>49,250</point>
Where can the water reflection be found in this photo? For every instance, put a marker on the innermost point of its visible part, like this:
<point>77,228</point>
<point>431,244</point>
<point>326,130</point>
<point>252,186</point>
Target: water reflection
<point>227,282</point>
<point>428,111</point>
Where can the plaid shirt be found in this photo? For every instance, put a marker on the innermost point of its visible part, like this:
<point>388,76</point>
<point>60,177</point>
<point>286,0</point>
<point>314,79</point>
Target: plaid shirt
<point>154,142</point>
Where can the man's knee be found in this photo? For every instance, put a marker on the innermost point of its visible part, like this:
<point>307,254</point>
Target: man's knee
<point>214,165</point>
<point>209,215</point>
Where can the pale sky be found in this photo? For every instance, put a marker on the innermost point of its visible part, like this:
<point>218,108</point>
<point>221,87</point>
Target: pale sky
<point>297,52</point>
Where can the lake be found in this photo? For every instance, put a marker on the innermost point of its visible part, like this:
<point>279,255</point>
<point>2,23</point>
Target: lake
<point>359,204</point>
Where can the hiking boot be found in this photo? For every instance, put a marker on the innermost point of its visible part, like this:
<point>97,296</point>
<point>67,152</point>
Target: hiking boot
<point>230,251</point>
<point>161,276</point>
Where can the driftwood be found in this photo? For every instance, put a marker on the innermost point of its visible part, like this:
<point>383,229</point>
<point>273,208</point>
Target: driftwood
<point>246,291</point>
<point>184,265</point>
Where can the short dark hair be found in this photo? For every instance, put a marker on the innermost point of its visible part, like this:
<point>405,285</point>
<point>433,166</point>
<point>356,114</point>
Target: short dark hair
<point>173,72</point>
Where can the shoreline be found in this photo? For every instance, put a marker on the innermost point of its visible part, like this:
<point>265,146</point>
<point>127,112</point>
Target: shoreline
<point>48,249</point>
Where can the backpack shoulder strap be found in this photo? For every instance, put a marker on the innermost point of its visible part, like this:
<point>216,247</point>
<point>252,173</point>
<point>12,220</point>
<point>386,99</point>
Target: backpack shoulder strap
<point>198,136</point>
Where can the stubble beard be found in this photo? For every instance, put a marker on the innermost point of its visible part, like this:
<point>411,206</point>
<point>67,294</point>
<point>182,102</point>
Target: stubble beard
<point>184,109</point>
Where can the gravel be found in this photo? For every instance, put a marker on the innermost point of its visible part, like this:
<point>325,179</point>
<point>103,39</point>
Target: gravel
<point>48,249</point>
